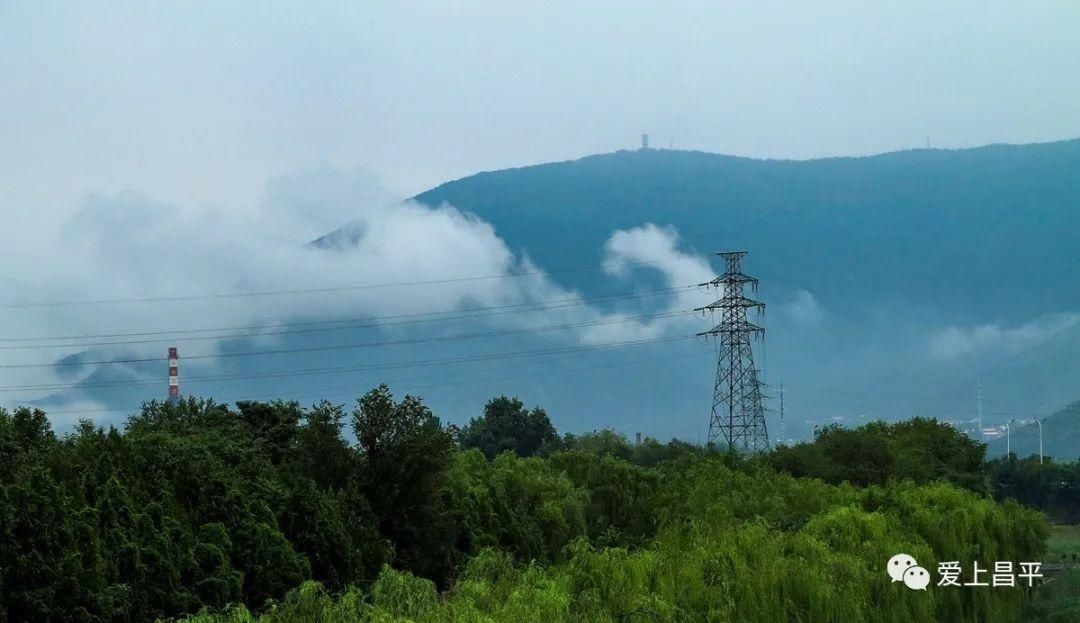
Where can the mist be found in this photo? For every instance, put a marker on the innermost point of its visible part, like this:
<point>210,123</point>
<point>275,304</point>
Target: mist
<point>125,263</point>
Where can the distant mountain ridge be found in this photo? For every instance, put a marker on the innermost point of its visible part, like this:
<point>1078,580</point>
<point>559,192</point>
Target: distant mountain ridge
<point>896,248</point>
<point>959,217</point>
<point>1061,435</point>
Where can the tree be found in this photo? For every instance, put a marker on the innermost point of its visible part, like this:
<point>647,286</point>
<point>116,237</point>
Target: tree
<point>1050,486</point>
<point>322,454</point>
<point>406,454</point>
<point>651,452</point>
<point>22,433</point>
<point>606,442</point>
<point>507,425</point>
<point>274,424</point>
<point>919,449</point>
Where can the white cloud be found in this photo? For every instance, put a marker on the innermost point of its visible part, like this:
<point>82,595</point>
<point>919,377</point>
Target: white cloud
<point>953,342</point>
<point>655,248</point>
<point>658,247</point>
<point>804,308</point>
<point>127,246</point>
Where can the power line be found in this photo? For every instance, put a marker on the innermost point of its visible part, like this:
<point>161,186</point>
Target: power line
<point>323,391</point>
<point>370,286</point>
<point>402,341</point>
<point>353,368</point>
<point>546,355</point>
<point>1025,413</point>
<point>322,325</point>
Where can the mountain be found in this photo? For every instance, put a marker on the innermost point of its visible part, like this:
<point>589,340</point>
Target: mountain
<point>1061,435</point>
<point>926,270</point>
<point>900,249</point>
<point>987,233</point>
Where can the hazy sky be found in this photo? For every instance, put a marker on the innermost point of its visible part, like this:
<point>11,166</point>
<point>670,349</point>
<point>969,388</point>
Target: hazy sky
<point>195,102</point>
<point>149,149</point>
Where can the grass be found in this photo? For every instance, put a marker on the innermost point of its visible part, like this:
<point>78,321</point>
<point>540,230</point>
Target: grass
<point>1064,544</point>
<point>1059,601</point>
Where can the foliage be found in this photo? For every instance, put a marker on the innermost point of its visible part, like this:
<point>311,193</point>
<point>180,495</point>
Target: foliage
<point>266,512</point>
<point>648,453</point>
<point>405,454</point>
<point>507,426</point>
<point>1057,602</point>
<point>713,566</point>
<point>921,449</point>
<point>1051,486</point>
<point>525,507</point>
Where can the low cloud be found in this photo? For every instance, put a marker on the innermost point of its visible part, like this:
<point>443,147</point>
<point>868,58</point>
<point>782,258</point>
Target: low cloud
<point>954,342</point>
<point>803,308</point>
<point>128,246</point>
<point>653,248</point>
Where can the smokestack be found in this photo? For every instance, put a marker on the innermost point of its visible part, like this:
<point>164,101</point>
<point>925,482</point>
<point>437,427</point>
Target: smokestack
<point>174,373</point>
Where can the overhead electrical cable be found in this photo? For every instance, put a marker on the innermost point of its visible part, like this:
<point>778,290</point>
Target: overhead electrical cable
<point>370,286</point>
<point>331,347</point>
<point>354,368</point>
<point>323,392</point>
<point>328,325</point>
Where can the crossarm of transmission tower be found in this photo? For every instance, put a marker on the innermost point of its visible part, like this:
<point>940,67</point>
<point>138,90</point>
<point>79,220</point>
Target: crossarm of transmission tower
<point>735,327</point>
<point>737,300</point>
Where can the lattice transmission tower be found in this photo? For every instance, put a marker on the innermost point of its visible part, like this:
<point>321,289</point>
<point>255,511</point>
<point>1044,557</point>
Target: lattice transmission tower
<point>738,414</point>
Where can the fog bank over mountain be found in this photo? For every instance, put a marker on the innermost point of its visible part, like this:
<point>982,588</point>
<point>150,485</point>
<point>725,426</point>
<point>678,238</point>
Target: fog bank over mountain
<point>894,281</point>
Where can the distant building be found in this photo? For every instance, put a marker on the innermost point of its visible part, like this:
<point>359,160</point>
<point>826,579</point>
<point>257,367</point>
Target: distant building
<point>644,141</point>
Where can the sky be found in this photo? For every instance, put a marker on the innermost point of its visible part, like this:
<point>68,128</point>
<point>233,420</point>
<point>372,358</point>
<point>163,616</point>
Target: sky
<point>154,148</point>
<point>203,102</point>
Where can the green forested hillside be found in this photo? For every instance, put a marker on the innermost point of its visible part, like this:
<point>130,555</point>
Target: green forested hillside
<point>272,511</point>
<point>959,263</point>
<point>942,227</point>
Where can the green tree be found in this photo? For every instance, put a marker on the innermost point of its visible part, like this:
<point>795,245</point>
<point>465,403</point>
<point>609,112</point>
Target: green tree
<point>526,507</point>
<point>406,454</point>
<point>919,449</point>
<point>507,425</point>
<point>605,442</point>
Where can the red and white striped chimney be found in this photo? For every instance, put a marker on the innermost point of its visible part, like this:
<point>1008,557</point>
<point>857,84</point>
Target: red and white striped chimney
<point>174,373</point>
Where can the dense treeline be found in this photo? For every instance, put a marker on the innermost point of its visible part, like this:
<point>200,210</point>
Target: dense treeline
<point>385,514</point>
<point>921,449</point>
<point>1051,486</point>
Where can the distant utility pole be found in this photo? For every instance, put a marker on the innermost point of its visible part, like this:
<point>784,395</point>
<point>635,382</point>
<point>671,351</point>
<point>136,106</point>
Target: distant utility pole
<point>174,374</point>
<point>978,407</point>
<point>783,425</point>
<point>762,391</point>
<point>738,416</point>
<point>1040,423</point>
